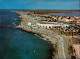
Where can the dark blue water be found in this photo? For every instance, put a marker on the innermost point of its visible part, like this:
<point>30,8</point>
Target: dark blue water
<point>18,44</point>
<point>65,14</point>
<point>9,18</point>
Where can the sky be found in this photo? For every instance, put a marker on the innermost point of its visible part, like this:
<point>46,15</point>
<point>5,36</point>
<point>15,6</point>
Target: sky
<point>40,4</point>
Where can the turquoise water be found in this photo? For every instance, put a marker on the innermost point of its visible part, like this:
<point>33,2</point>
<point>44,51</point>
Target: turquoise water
<point>18,44</point>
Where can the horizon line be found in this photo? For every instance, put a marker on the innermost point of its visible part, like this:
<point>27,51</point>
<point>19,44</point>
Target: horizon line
<point>40,9</point>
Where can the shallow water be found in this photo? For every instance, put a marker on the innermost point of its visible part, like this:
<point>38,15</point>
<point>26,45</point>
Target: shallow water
<point>65,14</point>
<point>18,44</point>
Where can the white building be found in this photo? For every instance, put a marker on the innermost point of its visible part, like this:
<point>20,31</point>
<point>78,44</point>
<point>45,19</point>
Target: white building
<point>29,24</point>
<point>47,25</point>
<point>51,25</point>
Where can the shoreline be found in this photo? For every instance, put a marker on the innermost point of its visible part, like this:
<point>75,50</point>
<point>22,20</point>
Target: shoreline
<point>55,40</point>
<point>53,46</point>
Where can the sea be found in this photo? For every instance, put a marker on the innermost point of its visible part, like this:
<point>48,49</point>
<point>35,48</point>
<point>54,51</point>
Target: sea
<point>18,44</point>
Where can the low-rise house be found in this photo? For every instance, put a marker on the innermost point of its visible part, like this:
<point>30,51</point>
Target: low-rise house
<point>65,19</point>
<point>60,18</point>
<point>77,18</point>
<point>29,24</point>
<point>78,21</point>
<point>71,19</point>
<point>54,17</point>
<point>32,25</point>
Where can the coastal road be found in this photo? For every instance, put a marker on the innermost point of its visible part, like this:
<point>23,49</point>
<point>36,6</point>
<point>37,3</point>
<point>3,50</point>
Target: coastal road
<point>65,47</point>
<point>62,47</point>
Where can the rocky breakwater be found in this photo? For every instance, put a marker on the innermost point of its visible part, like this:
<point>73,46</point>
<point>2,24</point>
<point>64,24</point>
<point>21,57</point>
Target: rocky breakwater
<point>56,40</point>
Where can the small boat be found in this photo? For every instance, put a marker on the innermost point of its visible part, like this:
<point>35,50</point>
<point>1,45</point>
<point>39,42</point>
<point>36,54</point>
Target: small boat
<point>34,51</point>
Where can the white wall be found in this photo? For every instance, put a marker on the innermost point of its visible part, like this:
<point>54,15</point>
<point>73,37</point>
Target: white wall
<point>29,23</point>
<point>51,25</point>
<point>47,25</point>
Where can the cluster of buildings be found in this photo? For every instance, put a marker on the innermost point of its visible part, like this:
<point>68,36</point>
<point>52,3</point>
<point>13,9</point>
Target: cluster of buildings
<point>67,19</point>
<point>50,22</point>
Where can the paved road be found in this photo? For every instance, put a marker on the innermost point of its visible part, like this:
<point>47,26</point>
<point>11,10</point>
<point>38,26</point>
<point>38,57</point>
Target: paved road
<point>62,46</point>
<point>65,47</point>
